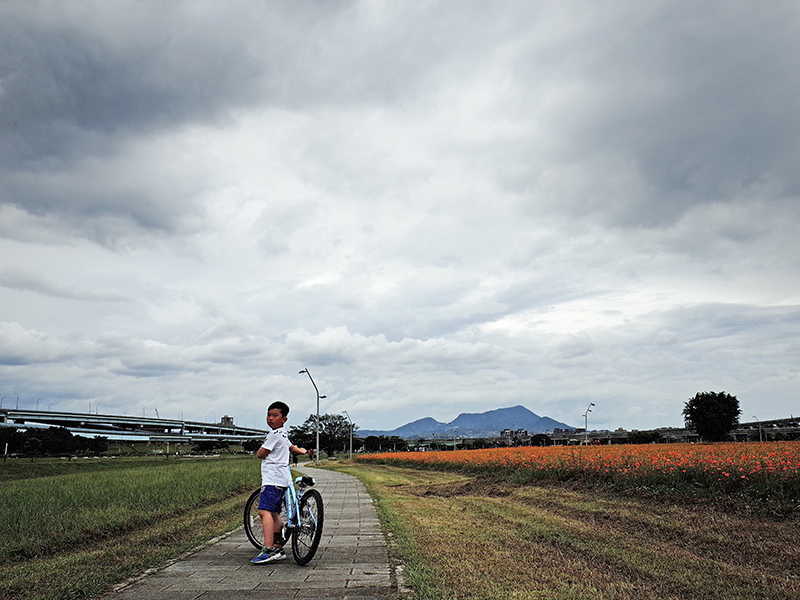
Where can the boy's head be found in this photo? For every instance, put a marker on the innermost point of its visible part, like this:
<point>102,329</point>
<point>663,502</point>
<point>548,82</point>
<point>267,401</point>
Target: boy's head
<point>277,414</point>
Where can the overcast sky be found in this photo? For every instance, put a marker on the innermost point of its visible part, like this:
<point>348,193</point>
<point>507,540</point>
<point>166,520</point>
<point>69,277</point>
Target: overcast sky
<point>435,207</point>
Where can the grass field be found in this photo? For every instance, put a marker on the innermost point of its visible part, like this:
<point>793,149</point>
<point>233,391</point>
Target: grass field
<point>73,529</point>
<point>522,524</point>
<point>467,537</point>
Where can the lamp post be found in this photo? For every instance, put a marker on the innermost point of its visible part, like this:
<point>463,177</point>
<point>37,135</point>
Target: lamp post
<point>316,450</point>
<point>586,422</point>
<point>351,434</point>
<point>759,427</point>
<point>1,401</point>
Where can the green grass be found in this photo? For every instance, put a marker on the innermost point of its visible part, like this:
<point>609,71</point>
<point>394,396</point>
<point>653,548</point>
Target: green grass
<point>25,468</point>
<point>77,534</point>
<point>468,538</point>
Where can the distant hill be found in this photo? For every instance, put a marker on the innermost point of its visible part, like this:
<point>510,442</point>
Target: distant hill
<point>487,424</point>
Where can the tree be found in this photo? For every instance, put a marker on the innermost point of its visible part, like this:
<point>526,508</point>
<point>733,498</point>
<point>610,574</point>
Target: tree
<point>644,437</point>
<point>372,443</point>
<point>540,439</point>
<point>713,415</point>
<point>205,446</point>
<point>334,433</point>
<point>385,443</point>
<point>97,445</point>
<point>12,437</point>
<point>251,445</point>
<point>56,441</point>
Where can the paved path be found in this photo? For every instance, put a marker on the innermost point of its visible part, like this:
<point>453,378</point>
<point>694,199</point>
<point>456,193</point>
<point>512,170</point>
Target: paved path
<point>352,560</point>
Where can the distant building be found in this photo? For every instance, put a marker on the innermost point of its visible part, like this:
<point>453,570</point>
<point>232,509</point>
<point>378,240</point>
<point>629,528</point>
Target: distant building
<point>511,433</point>
<point>226,421</point>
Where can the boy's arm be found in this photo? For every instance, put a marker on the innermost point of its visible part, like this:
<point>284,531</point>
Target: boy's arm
<point>262,452</point>
<point>295,450</point>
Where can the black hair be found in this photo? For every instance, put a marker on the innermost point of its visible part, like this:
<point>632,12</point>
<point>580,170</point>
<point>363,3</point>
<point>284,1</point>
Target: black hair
<point>281,406</point>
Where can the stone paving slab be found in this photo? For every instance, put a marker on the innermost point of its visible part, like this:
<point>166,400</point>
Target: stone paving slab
<point>352,561</point>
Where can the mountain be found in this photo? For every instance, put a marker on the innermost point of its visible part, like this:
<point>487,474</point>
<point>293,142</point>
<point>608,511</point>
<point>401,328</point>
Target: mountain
<point>487,424</point>
<point>420,428</point>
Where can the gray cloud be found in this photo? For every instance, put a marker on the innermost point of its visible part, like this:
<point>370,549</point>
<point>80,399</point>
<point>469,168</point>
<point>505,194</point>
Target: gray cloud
<point>23,281</point>
<point>437,208</point>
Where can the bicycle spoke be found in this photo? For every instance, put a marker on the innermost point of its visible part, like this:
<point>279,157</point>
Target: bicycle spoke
<point>306,538</point>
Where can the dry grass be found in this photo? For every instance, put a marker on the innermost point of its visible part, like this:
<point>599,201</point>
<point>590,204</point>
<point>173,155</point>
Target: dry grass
<point>483,540</point>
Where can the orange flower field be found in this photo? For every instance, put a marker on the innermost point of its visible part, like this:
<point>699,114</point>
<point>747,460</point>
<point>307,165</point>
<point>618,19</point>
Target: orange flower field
<point>721,460</point>
<point>768,468</point>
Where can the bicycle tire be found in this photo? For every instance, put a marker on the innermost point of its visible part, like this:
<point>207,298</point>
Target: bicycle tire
<point>252,520</point>
<point>306,537</point>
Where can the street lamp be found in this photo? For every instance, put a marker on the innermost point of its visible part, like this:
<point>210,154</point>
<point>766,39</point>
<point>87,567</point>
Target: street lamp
<point>586,421</point>
<point>351,434</point>
<point>759,427</point>
<point>1,401</point>
<point>316,450</point>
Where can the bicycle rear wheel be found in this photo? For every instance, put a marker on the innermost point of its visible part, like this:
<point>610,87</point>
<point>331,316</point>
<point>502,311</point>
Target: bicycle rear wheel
<point>252,520</point>
<point>305,537</point>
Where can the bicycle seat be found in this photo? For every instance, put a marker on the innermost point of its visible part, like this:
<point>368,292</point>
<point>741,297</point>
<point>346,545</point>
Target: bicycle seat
<point>305,480</point>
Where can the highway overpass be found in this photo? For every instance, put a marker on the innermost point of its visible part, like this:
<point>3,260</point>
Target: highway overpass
<point>131,429</point>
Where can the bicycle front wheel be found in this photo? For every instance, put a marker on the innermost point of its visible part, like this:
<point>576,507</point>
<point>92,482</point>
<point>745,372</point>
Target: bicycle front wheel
<point>252,520</point>
<point>305,538</point>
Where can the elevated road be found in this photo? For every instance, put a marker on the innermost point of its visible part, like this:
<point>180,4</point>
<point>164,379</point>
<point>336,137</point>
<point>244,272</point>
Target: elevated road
<point>124,428</point>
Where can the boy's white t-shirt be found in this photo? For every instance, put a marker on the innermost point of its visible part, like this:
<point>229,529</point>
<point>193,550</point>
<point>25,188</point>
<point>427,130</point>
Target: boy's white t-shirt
<point>275,467</point>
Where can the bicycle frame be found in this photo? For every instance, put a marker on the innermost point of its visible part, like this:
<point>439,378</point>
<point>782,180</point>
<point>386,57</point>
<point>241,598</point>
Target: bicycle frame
<point>292,501</point>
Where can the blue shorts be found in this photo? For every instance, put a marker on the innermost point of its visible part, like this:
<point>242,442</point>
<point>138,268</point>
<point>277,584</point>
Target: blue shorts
<point>271,498</point>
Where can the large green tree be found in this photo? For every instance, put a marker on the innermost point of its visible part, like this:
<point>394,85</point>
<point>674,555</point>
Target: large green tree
<point>713,415</point>
<point>334,433</point>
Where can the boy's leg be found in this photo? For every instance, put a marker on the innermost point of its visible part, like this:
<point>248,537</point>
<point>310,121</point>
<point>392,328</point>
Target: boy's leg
<point>268,526</point>
<point>269,507</point>
<point>271,551</point>
<point>277,538</point>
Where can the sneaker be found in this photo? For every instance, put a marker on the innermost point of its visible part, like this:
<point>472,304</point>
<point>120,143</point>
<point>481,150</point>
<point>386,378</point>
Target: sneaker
<point>268,555</point>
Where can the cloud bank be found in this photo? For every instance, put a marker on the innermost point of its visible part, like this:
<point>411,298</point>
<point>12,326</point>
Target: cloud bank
<point>436,209</point>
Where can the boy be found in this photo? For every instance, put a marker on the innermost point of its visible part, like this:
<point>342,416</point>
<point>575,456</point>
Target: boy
<point>275,478</point>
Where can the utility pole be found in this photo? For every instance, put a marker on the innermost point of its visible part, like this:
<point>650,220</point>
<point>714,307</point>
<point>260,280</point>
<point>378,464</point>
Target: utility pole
<point>316,450</point>
<point>351,434</point>
<point>586,422</point>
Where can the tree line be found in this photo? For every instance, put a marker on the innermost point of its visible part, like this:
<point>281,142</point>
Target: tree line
<point>53,441</point>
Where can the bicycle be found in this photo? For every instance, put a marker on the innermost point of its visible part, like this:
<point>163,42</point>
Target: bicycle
<point>304,518</point>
